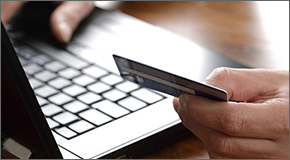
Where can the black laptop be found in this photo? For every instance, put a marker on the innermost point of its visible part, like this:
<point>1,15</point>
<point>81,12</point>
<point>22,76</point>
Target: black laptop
<point>70,102</point>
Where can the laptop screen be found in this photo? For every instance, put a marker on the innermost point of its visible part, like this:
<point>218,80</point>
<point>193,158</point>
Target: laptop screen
<point>21,117</point>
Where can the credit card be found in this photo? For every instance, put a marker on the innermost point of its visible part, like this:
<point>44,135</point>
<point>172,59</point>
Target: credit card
<point>162,81</point>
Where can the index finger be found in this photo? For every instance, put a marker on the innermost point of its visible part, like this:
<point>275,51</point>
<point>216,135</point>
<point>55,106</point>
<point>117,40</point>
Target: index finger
<point>67,16</point>
<point>236,119</point>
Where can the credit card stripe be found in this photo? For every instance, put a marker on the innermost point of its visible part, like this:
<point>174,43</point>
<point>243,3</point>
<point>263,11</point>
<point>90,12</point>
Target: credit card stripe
<point>158,80</point>
<point>183,82</point>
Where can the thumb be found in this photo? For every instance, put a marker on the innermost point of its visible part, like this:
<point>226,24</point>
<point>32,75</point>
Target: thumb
<point>67,16</point>
<point>246,85</point>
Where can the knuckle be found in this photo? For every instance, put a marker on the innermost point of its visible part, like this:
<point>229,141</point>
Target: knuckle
<point>217,75</point>
<point>221,70</point>
<point>233,123</point>
<point>223,146</point>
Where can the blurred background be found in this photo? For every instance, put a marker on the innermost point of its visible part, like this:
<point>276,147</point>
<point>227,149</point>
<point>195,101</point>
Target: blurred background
<point>253,32</point>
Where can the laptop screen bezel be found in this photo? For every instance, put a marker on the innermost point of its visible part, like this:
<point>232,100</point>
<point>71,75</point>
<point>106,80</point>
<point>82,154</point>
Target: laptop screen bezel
<point>28,109</point>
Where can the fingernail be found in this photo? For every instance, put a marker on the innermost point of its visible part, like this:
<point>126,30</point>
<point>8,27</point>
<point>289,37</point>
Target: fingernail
<point>65,31</point>
<point>183,100</point>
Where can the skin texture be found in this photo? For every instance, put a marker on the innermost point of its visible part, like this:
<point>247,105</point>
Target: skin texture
<point>63,20</point>
<point>257,127</point>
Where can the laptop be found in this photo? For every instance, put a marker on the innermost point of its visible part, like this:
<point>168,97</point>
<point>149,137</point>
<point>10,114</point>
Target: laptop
<point>68,101</point>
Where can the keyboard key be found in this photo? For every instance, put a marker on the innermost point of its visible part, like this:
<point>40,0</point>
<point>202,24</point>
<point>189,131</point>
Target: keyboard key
<point>114,95</point>
<point>45,76</point>
<point>22,61</point>
<point>99,87</point>
<point>32,69</point>
<point>75,48</point>
<point>65,117</point>
<point>110,108</point>
<point>35,83</point>
<point>67,154</point>
<point>54,66</point>
<point>60,99</point>
<point>132,103</point>
<point>41,101</point>
<point>146,95</point>
<point>89,98</point>
<point>112,79</point>
<point>94,71</point>
<point>59,139</point>
<point>75,106</point>
<point>51,109</point>
<point>45,91</point>
<point>26,52</point>
<point>40,59</point>
<point>74,90</point>
<point>95,117</point>
<point>83,80</point>
<point>127,86</point>
<point>81,126</point>
<point>69,73</point>
<point>59,83</point>
<point>51,123</point>
<point>61,55</point>
<point>64,131</point>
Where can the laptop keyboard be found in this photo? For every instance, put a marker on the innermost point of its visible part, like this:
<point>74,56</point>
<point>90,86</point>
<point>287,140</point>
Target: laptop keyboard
<point>77,96</point>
